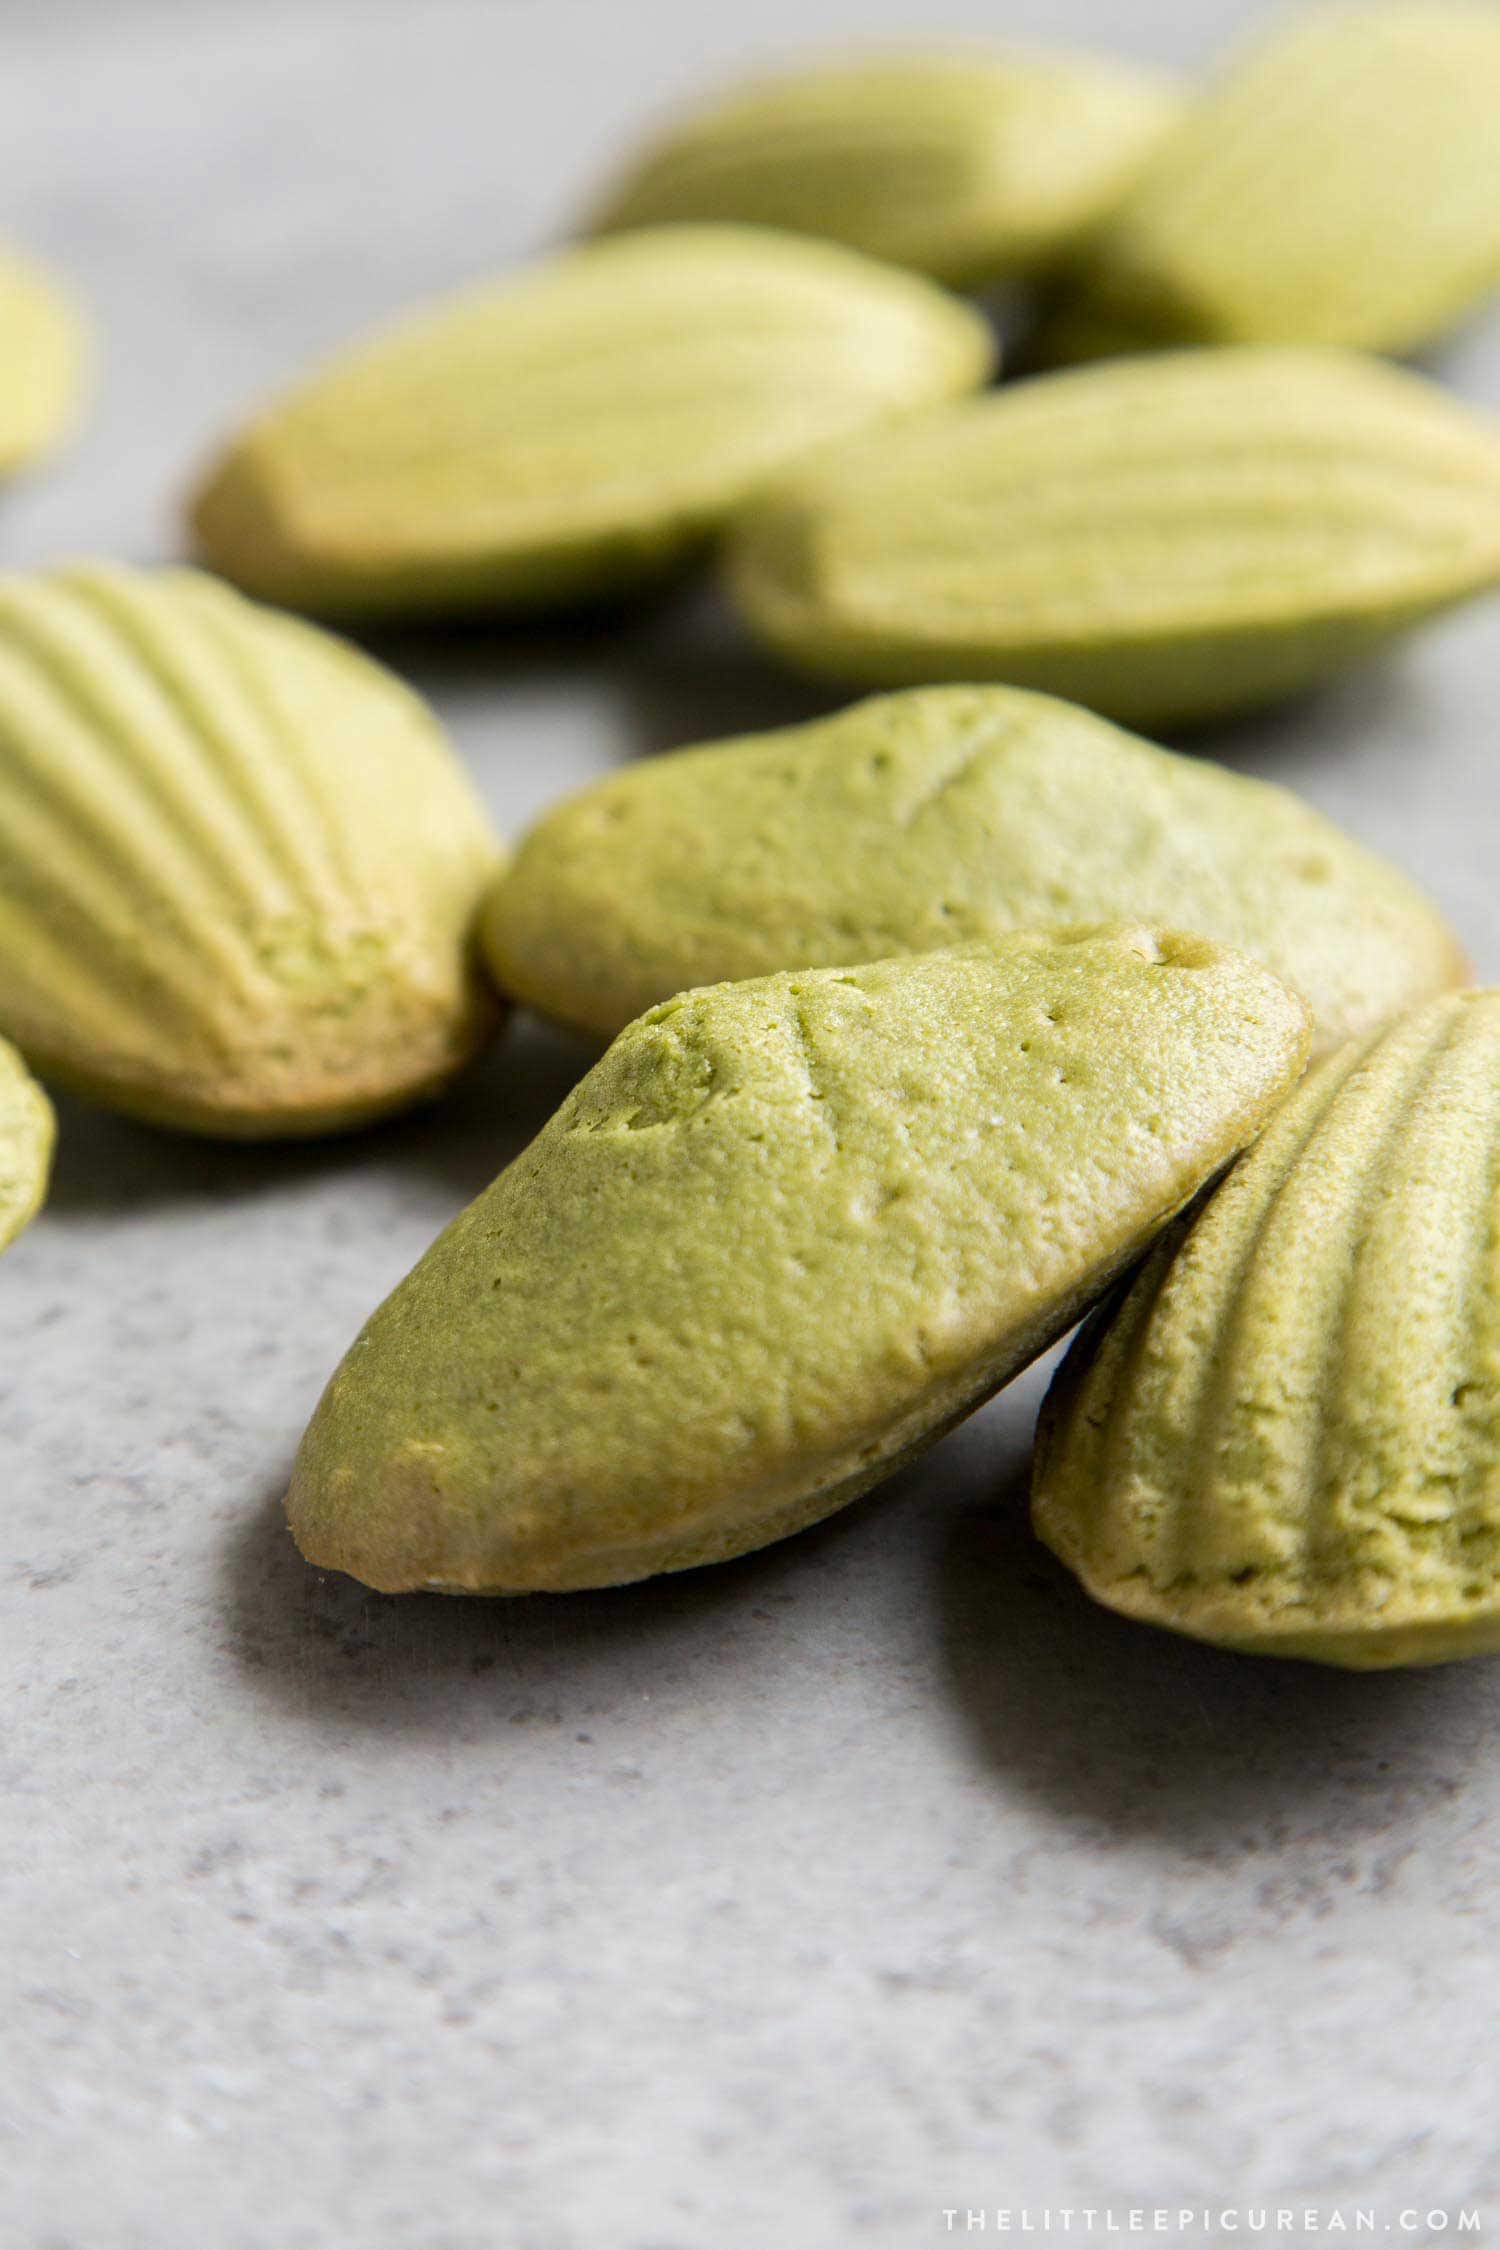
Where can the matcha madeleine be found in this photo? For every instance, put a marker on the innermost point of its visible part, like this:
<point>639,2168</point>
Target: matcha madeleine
<point>1285,1436</point>
<point>41,364</point>
<point>578,429</point>
<point>922,819</point>
<point>782,1235</point>
<point>239,866</point>
<point>27,1132</point>
<point>1165,539</point>
<point>968,164</point>
<point>1339,184</point>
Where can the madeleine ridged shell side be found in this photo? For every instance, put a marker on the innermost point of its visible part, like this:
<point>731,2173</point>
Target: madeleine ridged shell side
<point>576,430</point>
<point>1285,1436</point>
<point>1340,184</point>
<point>238,863</point>
<point>1165,538</point>
<point>966,164</point>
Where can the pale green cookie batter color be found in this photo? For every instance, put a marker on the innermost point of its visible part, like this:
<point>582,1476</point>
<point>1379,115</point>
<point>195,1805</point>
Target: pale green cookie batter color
<point>42,355</point>
<point>577,429</point>
<point>781,1236</point>
<point>1337,183</point>
<point>1286,1436</point>
<point>1165,539</point>
<point>27,1132</point>
<point>920,820</point>
<point>239,863</point>
<point>964,163</point>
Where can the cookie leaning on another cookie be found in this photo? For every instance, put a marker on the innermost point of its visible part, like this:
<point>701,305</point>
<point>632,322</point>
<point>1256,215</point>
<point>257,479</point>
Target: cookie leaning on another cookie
<point>783,1235</point>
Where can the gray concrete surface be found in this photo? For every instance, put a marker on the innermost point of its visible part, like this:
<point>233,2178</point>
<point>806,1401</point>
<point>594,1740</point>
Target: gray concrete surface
<point>781,1906</point>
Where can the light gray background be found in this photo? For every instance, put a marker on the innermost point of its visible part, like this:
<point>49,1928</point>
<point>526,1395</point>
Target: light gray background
<point>780,1905</point>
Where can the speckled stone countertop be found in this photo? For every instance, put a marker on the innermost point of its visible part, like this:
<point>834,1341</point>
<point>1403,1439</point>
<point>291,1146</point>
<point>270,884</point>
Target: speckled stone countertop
<point>779,1906</point>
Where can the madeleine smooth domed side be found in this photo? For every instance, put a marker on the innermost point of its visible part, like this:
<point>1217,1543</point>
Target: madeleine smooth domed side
<point>782,1235</point>
<point>1285,1436</point>
<point>578,429</point>
<point>1164,539</point>
<point>41,364</point>
<point>967,164</point>
<point>27,1132</point>
<point>923,819</point>
<point>239,866</point>
<point>1339,185</point>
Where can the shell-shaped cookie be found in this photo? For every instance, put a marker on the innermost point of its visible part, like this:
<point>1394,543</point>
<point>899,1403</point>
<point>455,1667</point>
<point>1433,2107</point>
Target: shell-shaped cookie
<point>239,866</point>
<point>26,1136</point>
<point>1286,1435</point>
<point>41,363</point>
<point>966,164</point>
<point>1164,539</point>
<point>1339,185</point>
<point>782,1235</point>
<point>578,429</point>
<point>923,819</point>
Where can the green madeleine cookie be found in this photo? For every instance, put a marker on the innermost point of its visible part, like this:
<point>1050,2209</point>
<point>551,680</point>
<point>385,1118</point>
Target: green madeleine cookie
<point>239,865</point>
<point>1340,184</point>
<point>782,1235</point>
<point>26,1136</point>
<point>578,429</point>
<point>41,355</point>
<point>1285,1436</point>
<point>919,820</point>
<point>966,163</point>
<point>1165,539</point>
